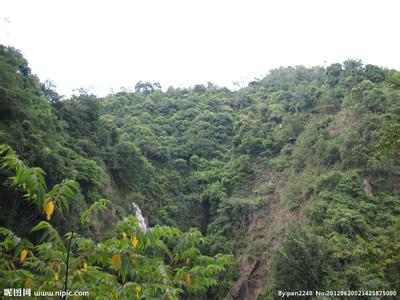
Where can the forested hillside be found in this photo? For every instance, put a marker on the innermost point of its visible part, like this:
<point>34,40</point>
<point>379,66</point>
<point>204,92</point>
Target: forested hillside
<point>296,175</point>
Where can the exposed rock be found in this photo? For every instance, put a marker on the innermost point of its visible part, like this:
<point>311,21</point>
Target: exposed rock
<point>238,290</point>
<point>368,188</point>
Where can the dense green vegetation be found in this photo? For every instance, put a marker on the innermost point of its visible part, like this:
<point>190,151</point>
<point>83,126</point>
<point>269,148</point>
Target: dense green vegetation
<point>127,263</point>
<point>296,174</point>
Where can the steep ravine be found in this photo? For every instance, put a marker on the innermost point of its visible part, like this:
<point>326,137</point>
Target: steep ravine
<point>267,232</point>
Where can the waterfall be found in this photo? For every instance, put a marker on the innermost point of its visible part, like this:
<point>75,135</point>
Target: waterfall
<point>139,216</point>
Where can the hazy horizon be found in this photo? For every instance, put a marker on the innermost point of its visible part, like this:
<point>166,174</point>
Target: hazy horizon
<point>104,45</point>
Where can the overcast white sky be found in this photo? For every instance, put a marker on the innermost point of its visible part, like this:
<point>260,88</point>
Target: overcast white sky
<point>110,44</point>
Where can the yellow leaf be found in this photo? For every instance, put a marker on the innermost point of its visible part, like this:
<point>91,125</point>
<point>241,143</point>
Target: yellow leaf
<point>124,236</point>
<point>134,241</point>
<point>49,209</point>
<point>59,267</point>
<point>116,261</point>
<point>84,267</point>
<point>55,276</point>
<point>28,283</point>
<point>188,280</point>
<point>23,255</point>
<point>137,290</point>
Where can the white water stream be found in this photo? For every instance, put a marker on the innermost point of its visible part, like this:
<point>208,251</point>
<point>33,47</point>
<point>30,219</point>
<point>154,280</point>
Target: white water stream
<point>139,216</point>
